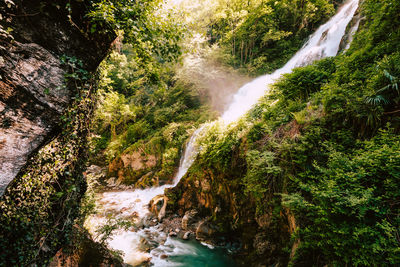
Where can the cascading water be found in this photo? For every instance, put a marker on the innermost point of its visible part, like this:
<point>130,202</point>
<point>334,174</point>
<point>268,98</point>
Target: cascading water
<point>323,43</point>
<point>135,203</point>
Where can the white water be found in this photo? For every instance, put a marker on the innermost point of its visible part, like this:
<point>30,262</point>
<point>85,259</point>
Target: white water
<point>134,203</point>
<point>323,43</point>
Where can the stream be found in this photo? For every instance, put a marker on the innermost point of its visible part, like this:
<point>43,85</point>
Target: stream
<point>149,243</point>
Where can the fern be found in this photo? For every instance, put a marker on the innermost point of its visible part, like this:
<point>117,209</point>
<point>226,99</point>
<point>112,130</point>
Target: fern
<point>379,99</point>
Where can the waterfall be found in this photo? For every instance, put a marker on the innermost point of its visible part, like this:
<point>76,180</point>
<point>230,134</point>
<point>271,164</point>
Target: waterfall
<point>135,202</point>
<point>323,43</point>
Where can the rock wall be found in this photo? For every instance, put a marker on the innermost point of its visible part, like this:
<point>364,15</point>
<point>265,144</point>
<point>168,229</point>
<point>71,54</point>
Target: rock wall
<point>225,216</point>
<point>135,168</point>
<point>34,36</point>
<point>48,59</point>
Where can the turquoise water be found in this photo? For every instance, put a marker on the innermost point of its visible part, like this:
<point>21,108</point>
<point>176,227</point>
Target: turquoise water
<point>192,254</point>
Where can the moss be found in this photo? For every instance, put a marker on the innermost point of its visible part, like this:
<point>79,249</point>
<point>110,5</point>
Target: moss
<point>40,206</point>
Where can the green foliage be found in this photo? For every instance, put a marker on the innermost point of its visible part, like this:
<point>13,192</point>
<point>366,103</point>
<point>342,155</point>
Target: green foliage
<point>262,173</point>
<point>218,145</point>
<point>340,188</point>
<point>263,35</point>
<point>137,131</point>
<point>385,82</point>
<point>319,146</point>
<point>38,210</point>
<point>139,113</point>
<point>303,82</point>
<point>140,98</point>
<point>151,37</point>
<point>349,207</point>
<point>115,112</point>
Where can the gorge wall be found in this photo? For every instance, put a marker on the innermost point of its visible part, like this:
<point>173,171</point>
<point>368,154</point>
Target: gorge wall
<point>34,35</point>
<point>48,59</point>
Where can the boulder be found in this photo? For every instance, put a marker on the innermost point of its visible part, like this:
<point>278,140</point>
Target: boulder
<point>172,233</point>
<point>186,236</point>
<point>262,245</point>
<point>205,230</point>
<point>189,219</point>
<point>146,246</point>
<point>158,206</point>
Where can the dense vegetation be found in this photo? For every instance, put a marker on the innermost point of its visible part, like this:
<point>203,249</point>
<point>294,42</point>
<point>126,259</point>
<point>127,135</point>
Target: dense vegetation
<point>142,98</point>
<point>40,207</point>
<point>144,109</point>
<point>41,211</point>
<point>139,114</point>
<point>324,146</point>
<point>261,35</point>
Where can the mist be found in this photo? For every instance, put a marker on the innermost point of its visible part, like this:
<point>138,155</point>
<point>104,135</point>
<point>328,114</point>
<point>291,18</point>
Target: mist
<point>215,83</point>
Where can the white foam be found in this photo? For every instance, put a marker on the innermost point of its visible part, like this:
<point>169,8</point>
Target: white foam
<point>323,43</point>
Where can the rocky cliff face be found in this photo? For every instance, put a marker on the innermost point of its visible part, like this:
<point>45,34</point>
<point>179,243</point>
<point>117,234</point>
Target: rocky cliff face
<point>225,216</point>
<point>47,62</point>
<point>34,36</point>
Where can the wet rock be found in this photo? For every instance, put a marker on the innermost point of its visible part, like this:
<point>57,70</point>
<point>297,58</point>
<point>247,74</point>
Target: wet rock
<point>204,231</point>
<point>131,167</point>
<point>172,233</point>
<point>205,185</point>
<point>158,206</point>
<point>264,221</point>
<point>163,256</point>
<point>145,263</point>
<point>152,223</point>
<point>186,236</point>
<point>262,245</point>
<point>146,245</point>
<point>123,187</point>
<point>189,219</point>
<point>147,221</point>
<point>111,182</point>
<point>124,209</point>
<point>95,174</point>
<point>96,170</point>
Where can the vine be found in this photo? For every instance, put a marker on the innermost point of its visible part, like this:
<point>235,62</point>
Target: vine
<point>38,210</point>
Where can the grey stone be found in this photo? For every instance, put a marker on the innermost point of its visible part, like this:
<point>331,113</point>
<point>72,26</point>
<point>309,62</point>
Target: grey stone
<point>186,236</point>
<point>189,219</point>
<point>33,95</point>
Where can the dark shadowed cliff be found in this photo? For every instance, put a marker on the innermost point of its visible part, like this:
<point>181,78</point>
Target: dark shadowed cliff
<point>48,59</point>
<point>34,35</point>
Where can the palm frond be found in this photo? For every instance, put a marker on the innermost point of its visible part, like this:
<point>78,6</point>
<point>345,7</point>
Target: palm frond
<point>377,100</point>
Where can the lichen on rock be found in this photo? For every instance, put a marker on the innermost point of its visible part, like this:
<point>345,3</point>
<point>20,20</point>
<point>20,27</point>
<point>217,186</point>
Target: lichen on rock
<point>34,36</point>
<point>47,91</point>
